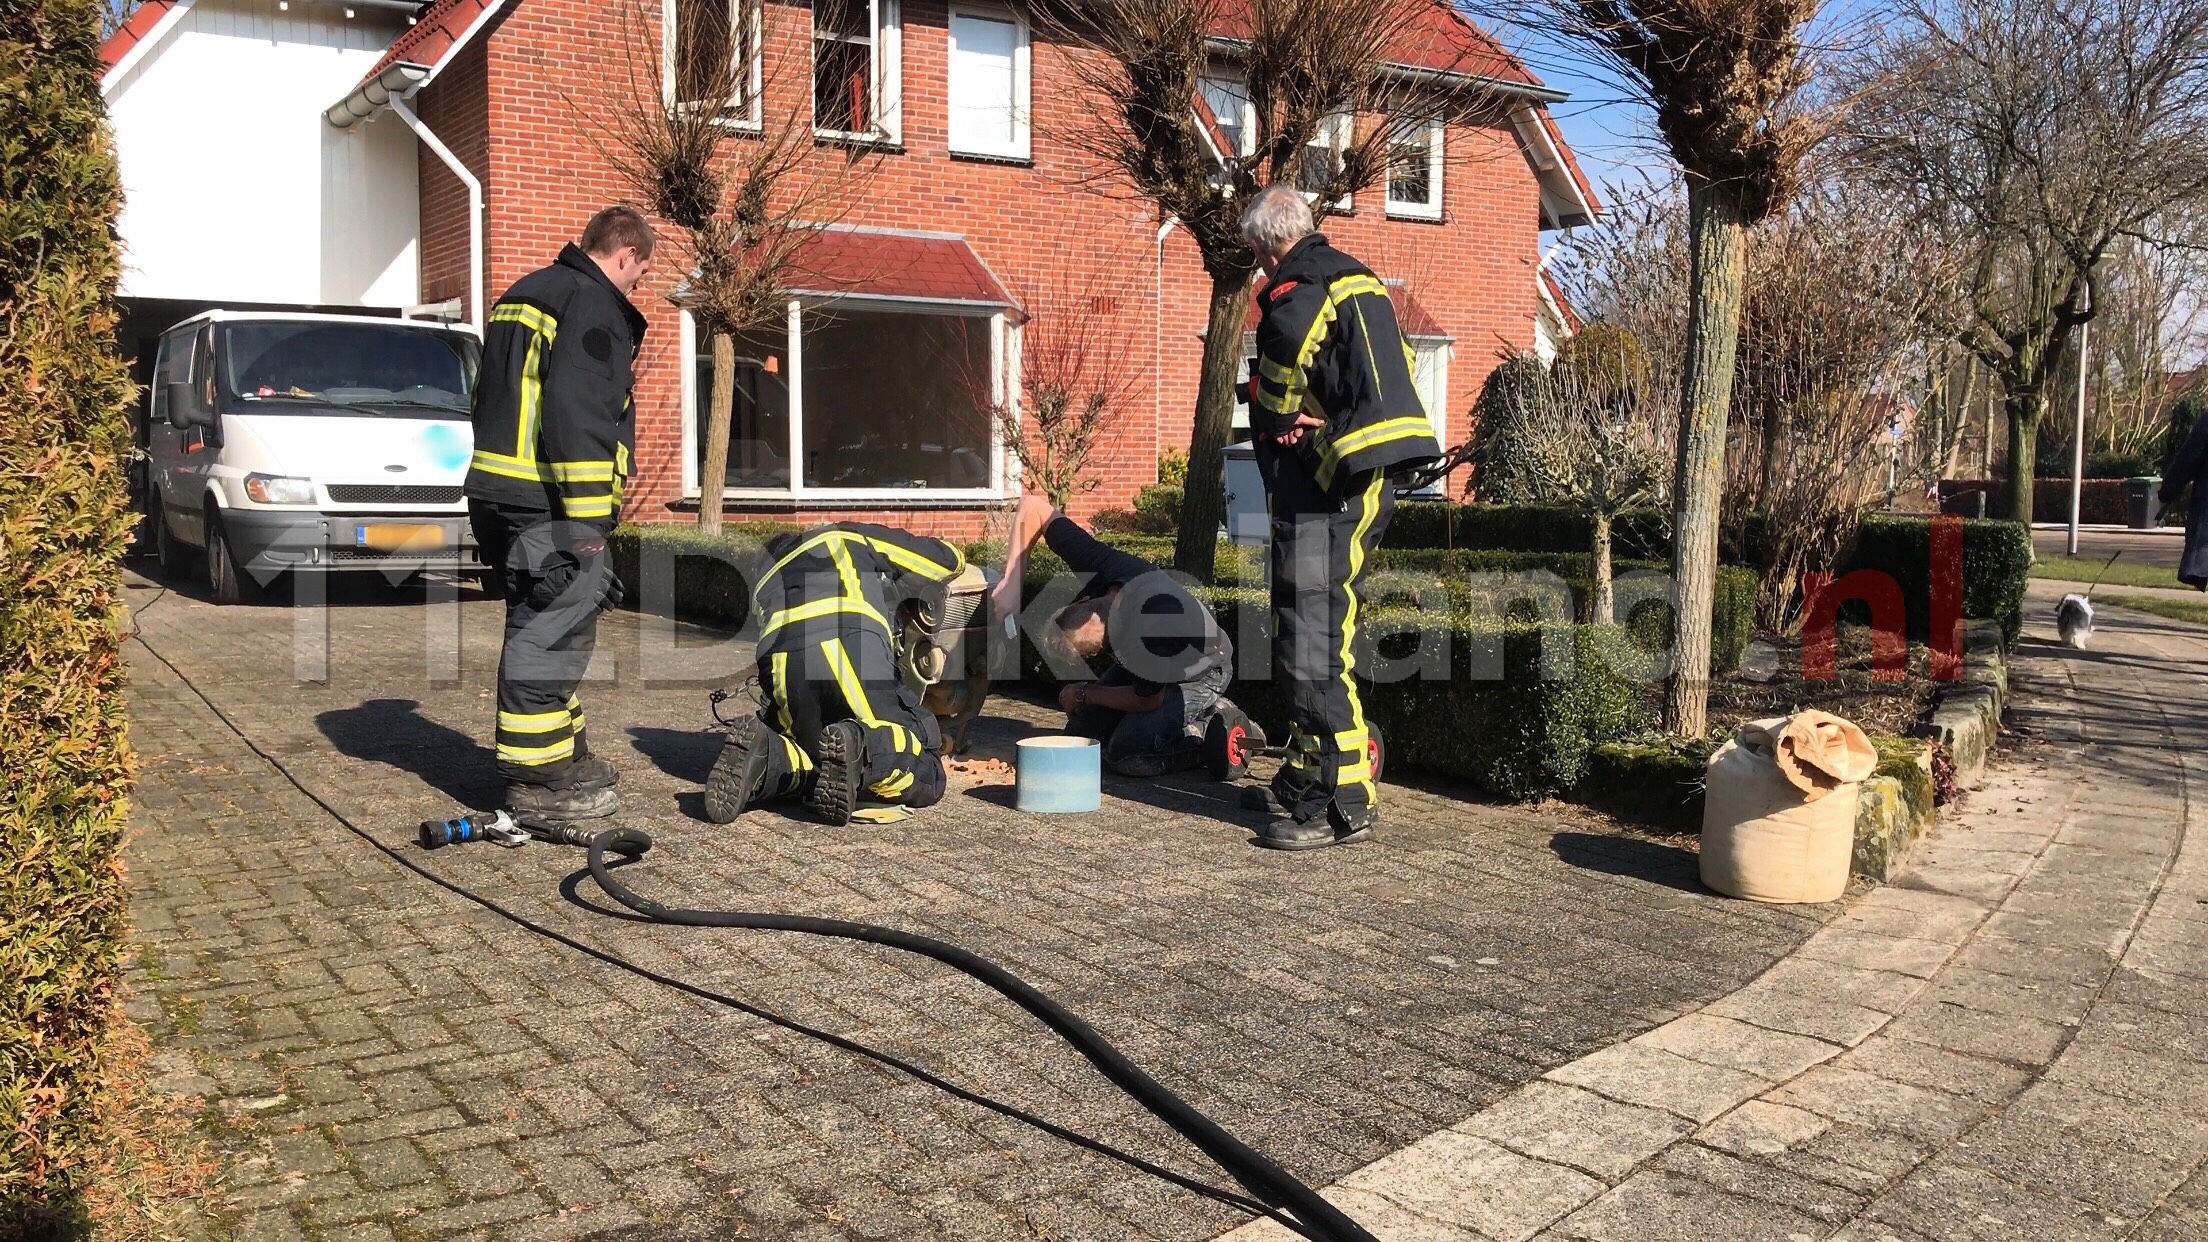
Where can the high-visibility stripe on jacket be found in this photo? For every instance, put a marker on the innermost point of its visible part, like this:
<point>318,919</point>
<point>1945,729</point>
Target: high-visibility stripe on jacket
<point>555,426</point>
<point>1328,342</point>
<point>821,582</point>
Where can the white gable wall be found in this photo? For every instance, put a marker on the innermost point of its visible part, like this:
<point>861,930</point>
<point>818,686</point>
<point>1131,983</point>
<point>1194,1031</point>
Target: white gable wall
<point>235,190</point>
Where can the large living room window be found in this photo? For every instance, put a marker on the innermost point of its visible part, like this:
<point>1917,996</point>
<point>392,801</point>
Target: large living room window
<point>855,69</point>
<point>852,403</point>
<point>710,59</point>
<point>989,83</point>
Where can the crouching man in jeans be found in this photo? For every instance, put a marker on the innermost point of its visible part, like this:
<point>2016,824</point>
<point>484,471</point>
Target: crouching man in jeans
<point>1170,662</point>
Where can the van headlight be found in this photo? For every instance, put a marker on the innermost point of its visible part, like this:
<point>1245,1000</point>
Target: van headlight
<point>271,489</point>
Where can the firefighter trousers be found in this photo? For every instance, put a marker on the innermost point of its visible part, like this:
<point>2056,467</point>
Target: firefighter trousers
<point>1322,538</point>
<point>850,676</point>
<point>554,587</point>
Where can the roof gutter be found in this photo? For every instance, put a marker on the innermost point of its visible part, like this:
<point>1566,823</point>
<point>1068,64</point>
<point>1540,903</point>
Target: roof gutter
<point>1450,78</point>
<point>475,203</point>
<point>380,91</point>
<point>115,73</point>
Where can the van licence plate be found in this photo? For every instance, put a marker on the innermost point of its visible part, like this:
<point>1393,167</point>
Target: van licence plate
<point>399,537</point>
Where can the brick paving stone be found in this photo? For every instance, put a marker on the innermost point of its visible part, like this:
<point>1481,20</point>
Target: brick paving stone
<point>1309,1003</point>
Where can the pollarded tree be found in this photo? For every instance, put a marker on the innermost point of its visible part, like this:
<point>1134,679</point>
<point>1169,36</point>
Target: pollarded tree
<point>716,137</point>
<point>1198,104</point>
<point>64,523</point>
<point>1722,77</point>
<point>2038,137</point>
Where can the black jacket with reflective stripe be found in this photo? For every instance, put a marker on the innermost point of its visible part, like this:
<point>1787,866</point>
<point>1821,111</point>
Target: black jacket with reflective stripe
<point>1328,341</point>
<point>846,577</point>
<point>555,426</point>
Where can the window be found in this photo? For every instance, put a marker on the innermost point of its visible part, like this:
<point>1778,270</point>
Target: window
<point>1430,375</point>
<point>282,366</point>
<point>1322,157</point>
<point>758,415</point>
<point>1229,102</point>
<point>883,403</point>
<point>1414,168</point>
<point>710,50</point>
<point>989,84</point>
<point>855,68</point>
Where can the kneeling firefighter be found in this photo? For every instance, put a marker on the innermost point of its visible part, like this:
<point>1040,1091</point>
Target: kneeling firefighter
<point>837,722</point>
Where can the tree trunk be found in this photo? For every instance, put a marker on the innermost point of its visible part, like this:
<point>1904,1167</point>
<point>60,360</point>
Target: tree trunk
<point>2025,409</point>
<point>1714,298</point>
<point>1767,479</point>
<point>1204,494</point>
<point>1605,608</point>
<point>713,474</point>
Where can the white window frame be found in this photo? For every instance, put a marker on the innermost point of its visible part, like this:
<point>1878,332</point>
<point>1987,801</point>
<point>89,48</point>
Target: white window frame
<point>1004,384</point>
<point>1436,137</point>
<point>1442,349</point>
<point>1023,81</point>
<point>745,14</point>
<point>1336,131</point>
<point>886,77</point>
<point>1246,123</point>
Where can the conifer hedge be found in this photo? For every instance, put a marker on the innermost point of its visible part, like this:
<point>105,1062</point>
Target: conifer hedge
<point>64,517</point>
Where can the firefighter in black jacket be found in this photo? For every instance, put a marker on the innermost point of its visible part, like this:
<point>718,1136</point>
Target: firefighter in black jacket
<point>837,725</point>
<point>554,436</point>
<point>1333,413</point>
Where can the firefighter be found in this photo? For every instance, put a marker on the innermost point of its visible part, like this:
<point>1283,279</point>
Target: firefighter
<point>837,724</point>
<point>1333,413</point>
<point>554,435</point>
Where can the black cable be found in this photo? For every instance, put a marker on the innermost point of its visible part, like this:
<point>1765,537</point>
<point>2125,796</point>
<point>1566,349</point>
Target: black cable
<point>1264,1178</point>
<point>632,843</point>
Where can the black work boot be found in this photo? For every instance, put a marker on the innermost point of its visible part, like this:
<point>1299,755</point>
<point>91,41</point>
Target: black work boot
<point>837,771</point>
<point>592,772</point>
<point>737,773</point>
<point>1318,834</point>
<point>562,801</point>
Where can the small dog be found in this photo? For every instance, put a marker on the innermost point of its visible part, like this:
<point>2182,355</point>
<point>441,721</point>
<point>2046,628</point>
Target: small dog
<point>2074,620</point>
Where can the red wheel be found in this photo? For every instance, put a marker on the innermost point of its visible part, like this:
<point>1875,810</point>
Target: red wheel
<point>1236,756</point>
<point>1376,752</point>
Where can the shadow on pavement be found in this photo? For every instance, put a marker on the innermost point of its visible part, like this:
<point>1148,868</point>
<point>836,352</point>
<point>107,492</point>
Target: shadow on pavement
<point>685,754</point>
<point>394,732</point>
<point>1667,865</point>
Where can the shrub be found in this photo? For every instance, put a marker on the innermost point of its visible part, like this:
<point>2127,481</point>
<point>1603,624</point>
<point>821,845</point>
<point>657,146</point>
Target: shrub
<point>1173,468</point>
<point>2101,501</point>
<point>1504,418</point>
<point>64,523</point>
<point>1522,528</point>
<point>1997,562</point>
<point>683,572</point>
<point>1658,783</point>
<point>1518,735</point>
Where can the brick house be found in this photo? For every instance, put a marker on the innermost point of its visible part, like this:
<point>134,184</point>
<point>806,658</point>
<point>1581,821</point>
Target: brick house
<point>971,232</point>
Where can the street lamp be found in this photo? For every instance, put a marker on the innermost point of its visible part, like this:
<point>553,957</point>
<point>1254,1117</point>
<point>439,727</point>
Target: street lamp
<point>2077,439</point>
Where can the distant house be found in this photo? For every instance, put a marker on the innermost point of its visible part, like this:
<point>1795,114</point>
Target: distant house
<point>333,153</point>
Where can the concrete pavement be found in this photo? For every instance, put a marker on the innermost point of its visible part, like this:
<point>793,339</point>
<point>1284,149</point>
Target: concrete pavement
<point>2006,1043</point>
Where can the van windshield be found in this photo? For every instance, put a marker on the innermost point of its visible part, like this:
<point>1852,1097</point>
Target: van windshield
<point>398,372</point>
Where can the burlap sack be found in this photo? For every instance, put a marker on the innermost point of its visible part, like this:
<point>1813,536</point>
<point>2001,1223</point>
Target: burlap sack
<point>1778,820</point>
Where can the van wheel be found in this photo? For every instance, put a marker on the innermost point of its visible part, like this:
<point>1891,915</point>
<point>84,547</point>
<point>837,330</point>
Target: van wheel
<point>225,581</point>
<point>168,551</point>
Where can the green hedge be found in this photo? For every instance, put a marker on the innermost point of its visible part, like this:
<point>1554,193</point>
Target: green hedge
<point>1659,783</point>
<point>64,525</point>
<point>1997,562</point>
<point>712,574</point>
<point>1518,735</point>
<point>1522,528</point>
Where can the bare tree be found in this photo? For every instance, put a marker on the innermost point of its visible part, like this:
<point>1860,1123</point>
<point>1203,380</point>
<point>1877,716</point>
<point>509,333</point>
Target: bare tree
<point>2038,136</point>
<point>1321,104</point>
<point>1723,77</point>
<point>1073,387</point>
<point>717,138</point>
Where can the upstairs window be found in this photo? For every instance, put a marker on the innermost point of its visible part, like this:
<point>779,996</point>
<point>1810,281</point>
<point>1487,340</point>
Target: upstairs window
<point>989,86</point>
<point>710,52</point>
<point>1229,102</point>
<point>854,68</point>
<point>1322,158</point>
<point>1414,168</point>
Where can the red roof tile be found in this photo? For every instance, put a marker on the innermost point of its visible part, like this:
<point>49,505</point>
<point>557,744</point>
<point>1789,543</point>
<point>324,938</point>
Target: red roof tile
<point>137,26</point>
<point>1435,36</point>
<point>847,261</point>
<point>435,33</point>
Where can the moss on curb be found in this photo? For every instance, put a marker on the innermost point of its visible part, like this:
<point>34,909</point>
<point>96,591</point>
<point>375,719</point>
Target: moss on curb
<point>1654,783</point>
<point>1903,759</point>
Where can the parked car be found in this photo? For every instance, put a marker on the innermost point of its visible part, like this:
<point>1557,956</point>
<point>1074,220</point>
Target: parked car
<point>307,443</point>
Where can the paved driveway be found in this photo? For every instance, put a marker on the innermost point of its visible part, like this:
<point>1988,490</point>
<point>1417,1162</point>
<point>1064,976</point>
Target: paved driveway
<point>389,1060</point>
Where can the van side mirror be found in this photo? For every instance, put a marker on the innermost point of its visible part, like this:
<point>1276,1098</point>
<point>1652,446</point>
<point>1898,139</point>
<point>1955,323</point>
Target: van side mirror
<point>182,403</point>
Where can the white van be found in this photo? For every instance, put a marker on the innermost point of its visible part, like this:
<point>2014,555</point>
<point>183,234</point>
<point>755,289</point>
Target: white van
<point>309,444</point>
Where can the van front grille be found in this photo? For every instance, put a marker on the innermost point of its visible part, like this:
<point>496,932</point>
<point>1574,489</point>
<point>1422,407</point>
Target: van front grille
<point>392,494</point>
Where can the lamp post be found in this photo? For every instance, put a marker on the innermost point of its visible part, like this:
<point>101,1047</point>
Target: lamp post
<point>2077,439</point>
